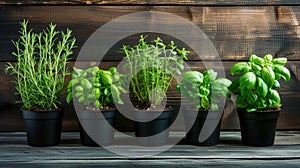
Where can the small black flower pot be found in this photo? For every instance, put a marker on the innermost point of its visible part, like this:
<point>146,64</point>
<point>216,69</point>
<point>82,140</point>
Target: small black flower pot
<point>258,128</point>
<point>96,126</point>
<point>155,132</point>
<point>43,128</point>
<point>200,117</point>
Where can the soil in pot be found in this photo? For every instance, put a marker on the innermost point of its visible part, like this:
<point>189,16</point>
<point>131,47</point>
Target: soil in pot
<point>43,128</point>
<point>96,127</point>
<point>258,128</point>
<point>200,117</point>
<point>154,132</point>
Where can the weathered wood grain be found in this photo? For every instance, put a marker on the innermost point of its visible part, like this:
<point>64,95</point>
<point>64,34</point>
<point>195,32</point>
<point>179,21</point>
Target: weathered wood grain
<point>149,2</point>
<point>229,153</point>
<point>236,32</point>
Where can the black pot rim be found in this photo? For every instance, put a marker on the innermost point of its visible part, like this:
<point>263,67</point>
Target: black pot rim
<point>258,115</point>
<point>40,115</point>
<point>96,115</point>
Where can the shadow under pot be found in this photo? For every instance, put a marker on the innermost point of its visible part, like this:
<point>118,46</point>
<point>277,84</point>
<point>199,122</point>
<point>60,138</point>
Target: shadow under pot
<point>43,128</point>
<point>96,127</point>
<point>258,128</point>
<point>193,129</point>
<point>152,127</point>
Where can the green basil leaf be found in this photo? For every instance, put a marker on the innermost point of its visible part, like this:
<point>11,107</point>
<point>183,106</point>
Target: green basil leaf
<point>261,88</point>
<point>240,102</point>
<point>204,92</point>
<point>251,109</point>
<point>279,61</point>
<point>212,74</point>
<point>69,97</point>
<point>283,72</point>
<point>261,104</point>
<point>205,103</point>
<point>240,67</point>
<point>252,98</point>
<point>193,77</point>
<point>276,84</point>
<point>234,87</point>
<point>247,81</point>
<point>274,96</point>
<point>268,58</point>
<point>268,76</point>
<point>222,82</point>
<point>252,57</point>
<point>259,61</point>
<point>79,88</point>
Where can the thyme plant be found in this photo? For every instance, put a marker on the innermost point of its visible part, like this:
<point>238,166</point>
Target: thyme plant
<point>41,68</point>
<point>152,67</point>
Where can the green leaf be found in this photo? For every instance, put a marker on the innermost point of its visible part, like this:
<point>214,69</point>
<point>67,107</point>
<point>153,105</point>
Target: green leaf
<point>234,87</point>
<point>261,88</point>
<point>69,97</point>
<point>240,67</point>
<point>212,74</point>
<point>252,98</point>
<point>268,58</point>
<point>274,96</point>
<point>205,103</point>
<point>259,61</point>
<point>261,104</point>
<point>241,103</point>
<point>247,81</point>
<point>79,88</point>
<point>193,77</point>
<point>204,92</point>
<point>86,83</point>
<point>268,76</point>
<point>283,72</point>
<point>276,84</point>
<point>222,82</point>
<point>279,61</point>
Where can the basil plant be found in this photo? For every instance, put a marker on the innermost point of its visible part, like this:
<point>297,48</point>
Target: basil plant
<point>256,87</point>
<point>94,87</point>
<point>206,90</point>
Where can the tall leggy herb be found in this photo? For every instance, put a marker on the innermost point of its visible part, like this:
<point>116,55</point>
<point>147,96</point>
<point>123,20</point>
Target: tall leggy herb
<point>152,68</point>
<point>41,68</point>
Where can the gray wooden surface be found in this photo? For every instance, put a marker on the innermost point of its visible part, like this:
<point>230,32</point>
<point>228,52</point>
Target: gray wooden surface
<point>229,153</point>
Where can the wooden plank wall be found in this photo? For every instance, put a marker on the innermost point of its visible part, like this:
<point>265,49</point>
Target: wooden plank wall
<point>236,28</point>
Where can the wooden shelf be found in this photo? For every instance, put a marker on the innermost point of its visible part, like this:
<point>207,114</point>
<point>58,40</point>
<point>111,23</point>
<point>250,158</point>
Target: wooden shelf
<point>229,153</point>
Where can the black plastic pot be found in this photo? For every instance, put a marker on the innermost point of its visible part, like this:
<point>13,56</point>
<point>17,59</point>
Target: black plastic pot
<point>98,125</point>
<point>199,117</point>
<point>43,128</point>
<point>258,128</point>
<point>154,130</point>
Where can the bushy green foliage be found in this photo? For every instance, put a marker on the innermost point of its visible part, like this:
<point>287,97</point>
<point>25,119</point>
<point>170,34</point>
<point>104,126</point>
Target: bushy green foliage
<point>206,90</point>
<point>255,88</point>
<point>41,68</point>
<point>152,68</point>
<point>94,87</point>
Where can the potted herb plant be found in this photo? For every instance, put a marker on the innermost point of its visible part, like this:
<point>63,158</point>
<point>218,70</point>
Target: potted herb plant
<point>95,91</point>
<point>258,102</point>
<point>152,67</point>
<point>40,73</point>
<point>206,92</point>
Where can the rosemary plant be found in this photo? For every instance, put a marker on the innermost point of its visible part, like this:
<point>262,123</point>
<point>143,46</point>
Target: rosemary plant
<point>41,66</point>
<point>152,68</point>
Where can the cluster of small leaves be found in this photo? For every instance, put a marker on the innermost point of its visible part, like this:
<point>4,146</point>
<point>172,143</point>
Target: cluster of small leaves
<point>206,90</point>
<point>94,87</point>
<point>255,89</point>
<point>41,65</point>
<point>152,68</point>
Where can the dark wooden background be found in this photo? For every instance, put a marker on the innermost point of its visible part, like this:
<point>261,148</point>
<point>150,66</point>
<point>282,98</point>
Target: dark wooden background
<point>236,28</point>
